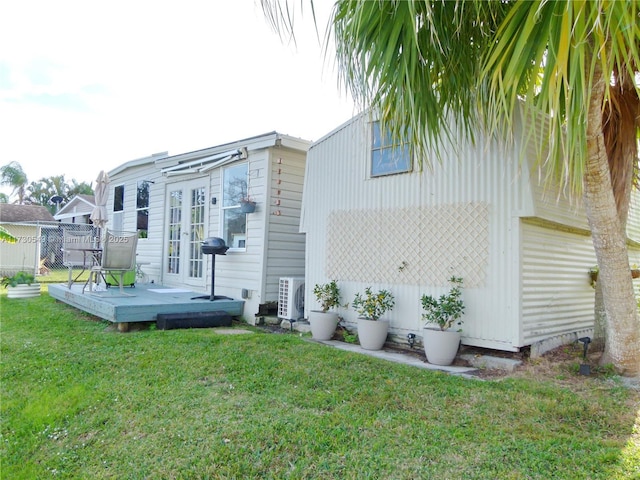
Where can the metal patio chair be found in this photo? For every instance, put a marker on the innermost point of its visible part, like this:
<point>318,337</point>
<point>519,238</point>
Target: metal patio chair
<point>118,256</point>
<point>76,252</point>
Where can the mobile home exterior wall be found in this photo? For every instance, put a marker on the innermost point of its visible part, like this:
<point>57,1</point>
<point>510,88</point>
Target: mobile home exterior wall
<point>483,214</point>
<point>271,245</point>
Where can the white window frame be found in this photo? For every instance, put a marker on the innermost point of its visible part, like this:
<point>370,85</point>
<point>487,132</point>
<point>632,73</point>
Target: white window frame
<point>400,151</point>
<point>140,209</point>
<point>118,215</point>
<point>224,208</point>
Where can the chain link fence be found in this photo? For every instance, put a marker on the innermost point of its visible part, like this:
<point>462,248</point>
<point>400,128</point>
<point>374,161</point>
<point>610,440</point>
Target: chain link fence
<point>39,246</point>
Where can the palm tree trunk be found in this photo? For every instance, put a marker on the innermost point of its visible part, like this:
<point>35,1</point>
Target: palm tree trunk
<point>619,133</point>
<point>609,241</point>
<point>600,324</point>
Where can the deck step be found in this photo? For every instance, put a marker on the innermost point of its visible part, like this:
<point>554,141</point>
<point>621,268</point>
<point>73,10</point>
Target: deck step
<point>170,321</point>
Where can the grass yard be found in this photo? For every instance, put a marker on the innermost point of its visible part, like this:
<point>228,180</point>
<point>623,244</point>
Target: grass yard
<point>61,275</point>
<point>80,400</point>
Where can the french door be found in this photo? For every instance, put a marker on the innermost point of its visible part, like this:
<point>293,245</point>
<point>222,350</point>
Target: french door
<point>184,263</point>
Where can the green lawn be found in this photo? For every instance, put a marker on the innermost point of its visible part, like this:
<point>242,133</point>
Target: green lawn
<point>80,400</point>
<point>61,275</point>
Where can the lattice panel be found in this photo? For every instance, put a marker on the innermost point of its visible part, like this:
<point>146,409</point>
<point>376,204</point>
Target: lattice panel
<point>409,246</point>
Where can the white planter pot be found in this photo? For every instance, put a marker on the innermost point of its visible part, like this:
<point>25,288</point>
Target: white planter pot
<point>24,291</point>
<point>441,347</point>
<point>372,333</point>
<point>323,324</point>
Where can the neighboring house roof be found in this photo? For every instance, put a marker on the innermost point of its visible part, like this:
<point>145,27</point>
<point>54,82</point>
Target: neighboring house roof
<point>10,213</point>
<point>90,199</point>
<point>79,205</point>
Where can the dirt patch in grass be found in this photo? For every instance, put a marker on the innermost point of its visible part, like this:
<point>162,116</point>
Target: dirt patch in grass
<point>560,365</point>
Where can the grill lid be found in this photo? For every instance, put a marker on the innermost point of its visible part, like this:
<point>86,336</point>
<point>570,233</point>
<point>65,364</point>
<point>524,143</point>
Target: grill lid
<point>214,246</point>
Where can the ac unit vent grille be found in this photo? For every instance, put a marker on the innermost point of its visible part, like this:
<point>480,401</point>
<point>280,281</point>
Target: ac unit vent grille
<point>291,298</point>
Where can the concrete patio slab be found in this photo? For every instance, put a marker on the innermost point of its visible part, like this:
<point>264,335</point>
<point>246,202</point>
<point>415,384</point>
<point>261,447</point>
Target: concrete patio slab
<point>403,358</point>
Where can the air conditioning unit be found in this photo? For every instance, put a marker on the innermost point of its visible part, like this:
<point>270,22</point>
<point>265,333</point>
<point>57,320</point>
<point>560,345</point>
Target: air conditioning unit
<point>291,298</point>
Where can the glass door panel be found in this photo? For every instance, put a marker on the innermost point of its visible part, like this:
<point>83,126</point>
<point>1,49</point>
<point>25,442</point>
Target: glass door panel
<point>186,228</point>
<point>197,231</point>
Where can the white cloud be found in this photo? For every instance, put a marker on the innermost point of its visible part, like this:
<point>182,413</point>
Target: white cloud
<point>87,86</point>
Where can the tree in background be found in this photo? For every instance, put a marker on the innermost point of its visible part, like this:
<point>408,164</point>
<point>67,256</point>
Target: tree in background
<point>439,69</point>
<point>82,188</point>
<point>41,191</point>
<point>13,176</point>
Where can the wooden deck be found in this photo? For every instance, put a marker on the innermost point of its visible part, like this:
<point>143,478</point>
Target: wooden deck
<point>142,303</point>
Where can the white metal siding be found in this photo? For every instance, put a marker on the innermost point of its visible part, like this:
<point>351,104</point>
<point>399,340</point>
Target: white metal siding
<point>562,209</point>
<point>274,246</point>
<point>550,201</point>
<point>336,180</point>
<point>557,297</point>
<point>149,249</point>
<point>285,245</point>
<point>243,269</point>
<point>633,222</point>
<point>257,269</point>
<point>535,281</point>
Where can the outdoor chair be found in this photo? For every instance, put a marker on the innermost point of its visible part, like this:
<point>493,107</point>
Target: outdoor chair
<point>76,251</point>
<point>118,256</point>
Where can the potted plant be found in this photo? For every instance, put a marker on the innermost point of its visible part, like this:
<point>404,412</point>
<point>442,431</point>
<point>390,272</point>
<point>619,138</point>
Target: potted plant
<point>441,343</point>
<point>593,273</point>
<point>247,205</point>
<point>323,322</point>
<point>21,285</point>
<point>372,332</point>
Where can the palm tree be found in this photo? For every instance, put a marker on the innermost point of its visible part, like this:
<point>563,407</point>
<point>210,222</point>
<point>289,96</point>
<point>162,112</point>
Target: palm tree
<point>13,175</point>
<point>434,69</point>
<point>41,192</point>
<point>82,188</point>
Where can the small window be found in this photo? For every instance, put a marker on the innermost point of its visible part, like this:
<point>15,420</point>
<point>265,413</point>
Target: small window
<point>234,222</point>
<point>118,198</point>
<point>118,207</point>
<point>388,157</point>
<point>142,208</point>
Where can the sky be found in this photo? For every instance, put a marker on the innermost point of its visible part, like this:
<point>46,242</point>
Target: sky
<point>87,85</point>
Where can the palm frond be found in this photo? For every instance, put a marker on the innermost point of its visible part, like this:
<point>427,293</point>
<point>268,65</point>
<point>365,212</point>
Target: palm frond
<point>416,63</point>
<point>560,42</point>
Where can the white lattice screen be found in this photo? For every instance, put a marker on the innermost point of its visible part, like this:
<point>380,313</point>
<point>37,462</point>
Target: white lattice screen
<point>409,246</point>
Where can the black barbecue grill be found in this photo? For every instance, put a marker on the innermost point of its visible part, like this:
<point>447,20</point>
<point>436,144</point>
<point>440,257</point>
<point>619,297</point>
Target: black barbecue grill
<point>213,246</point>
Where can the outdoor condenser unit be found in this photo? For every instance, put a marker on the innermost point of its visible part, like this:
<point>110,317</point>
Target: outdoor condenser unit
<point>291,298</point>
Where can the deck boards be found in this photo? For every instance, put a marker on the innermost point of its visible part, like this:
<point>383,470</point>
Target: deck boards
<point>144,303</point>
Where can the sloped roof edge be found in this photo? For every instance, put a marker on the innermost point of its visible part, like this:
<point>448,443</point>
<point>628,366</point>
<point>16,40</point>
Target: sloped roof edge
<point>24,213</point>
<point>66,211</point>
